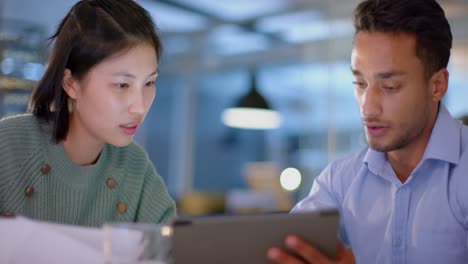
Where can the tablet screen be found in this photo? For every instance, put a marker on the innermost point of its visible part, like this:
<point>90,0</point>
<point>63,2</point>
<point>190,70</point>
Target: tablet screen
<point>246,238</point>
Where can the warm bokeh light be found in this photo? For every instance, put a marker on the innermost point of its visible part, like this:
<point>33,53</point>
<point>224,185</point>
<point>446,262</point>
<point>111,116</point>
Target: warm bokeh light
<point>290,179</point>
<point>166,231</point>
<point>251,118</point>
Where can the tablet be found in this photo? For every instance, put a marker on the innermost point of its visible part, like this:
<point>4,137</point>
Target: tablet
<point>246,238</point>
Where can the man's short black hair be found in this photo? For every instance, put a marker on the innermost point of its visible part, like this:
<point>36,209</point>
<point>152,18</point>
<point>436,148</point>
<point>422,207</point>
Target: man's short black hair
<point>424,19</point>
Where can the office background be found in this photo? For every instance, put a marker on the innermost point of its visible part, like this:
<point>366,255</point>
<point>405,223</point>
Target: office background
<point>299,52</point>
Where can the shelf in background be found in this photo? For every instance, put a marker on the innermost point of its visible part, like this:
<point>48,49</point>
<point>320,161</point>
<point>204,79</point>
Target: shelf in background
<point>10,83</point>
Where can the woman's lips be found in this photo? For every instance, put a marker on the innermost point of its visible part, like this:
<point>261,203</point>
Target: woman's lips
<point>129,129</point>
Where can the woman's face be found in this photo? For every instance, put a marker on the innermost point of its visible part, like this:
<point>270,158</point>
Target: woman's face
<point>113,98</point>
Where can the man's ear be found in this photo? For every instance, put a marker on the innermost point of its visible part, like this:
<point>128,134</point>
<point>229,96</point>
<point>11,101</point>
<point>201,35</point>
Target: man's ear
<point>70,84</point>
<point>439,84</point>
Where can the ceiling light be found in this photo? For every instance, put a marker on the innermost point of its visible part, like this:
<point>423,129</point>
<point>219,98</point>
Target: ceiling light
<point>252,111</point>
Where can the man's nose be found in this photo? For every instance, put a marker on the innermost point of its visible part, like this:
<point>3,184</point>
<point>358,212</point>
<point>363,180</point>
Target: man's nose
<point>371,102</point>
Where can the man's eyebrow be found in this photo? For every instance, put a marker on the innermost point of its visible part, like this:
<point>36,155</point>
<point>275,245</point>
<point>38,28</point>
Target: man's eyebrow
<point>380,75</point>
<point>355,72</point>
<point>389,74</point>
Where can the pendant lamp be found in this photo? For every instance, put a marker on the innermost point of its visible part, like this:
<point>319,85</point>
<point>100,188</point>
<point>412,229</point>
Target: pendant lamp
<point>251,111</point>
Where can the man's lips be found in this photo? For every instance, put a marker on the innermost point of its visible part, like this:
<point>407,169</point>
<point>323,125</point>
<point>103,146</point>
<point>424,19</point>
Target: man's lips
<point>376,129</point>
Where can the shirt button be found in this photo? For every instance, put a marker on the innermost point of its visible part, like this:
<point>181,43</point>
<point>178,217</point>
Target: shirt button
<point>8,214</point>
<point>45,168</point>
<point>29,191</point>
<point>398,242</point>
<point>111,183</point>
<point>121,207</point>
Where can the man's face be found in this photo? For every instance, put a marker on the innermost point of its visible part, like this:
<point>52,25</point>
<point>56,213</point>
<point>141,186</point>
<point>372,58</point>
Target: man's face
<point>394,96</point>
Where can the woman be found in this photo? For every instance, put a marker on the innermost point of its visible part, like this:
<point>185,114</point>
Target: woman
<point>72,159</point>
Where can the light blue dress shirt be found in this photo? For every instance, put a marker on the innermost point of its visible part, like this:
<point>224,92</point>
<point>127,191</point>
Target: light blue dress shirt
<point>423,220</point>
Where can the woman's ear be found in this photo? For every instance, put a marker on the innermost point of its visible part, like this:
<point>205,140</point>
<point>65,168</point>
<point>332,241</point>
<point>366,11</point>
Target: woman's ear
<point>439,84</point>
<point>70,84</point>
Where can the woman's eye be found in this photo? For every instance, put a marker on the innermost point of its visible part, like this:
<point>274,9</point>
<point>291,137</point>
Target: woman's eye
<point>151,83</point>
<point>121,85</point>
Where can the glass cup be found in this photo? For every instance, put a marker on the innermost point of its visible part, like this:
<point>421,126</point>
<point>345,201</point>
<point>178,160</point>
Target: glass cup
<point>134,243</point>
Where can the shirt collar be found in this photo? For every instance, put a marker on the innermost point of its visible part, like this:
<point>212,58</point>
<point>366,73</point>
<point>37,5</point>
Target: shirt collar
<point>444,143</point>
<point>375,161</point>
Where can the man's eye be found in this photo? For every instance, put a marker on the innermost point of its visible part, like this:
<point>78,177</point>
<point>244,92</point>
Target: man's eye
<point>359,84</point>
<point>392,88</point>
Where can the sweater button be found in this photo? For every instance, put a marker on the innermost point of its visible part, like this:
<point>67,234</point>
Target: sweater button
<point>121,207</point>
<point>111,183</point>
<point>8,214</point>
<point>29,191</point>
<point>45,168</point>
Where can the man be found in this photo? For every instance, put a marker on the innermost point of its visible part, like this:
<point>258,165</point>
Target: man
<point>402,199</point>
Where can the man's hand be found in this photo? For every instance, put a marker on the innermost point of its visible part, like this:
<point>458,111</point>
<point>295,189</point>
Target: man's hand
<point>308,253</point>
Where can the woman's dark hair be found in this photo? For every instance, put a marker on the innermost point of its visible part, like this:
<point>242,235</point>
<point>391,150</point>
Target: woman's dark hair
<point>464,119</point>
<point>92,31</point>
<point>424,19</point>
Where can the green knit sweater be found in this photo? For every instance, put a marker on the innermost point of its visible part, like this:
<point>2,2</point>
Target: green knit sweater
<point>38,180</point>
